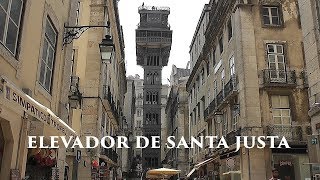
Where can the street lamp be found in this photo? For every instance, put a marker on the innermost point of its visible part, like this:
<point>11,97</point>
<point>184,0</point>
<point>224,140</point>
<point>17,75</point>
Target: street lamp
<point>106,49</point>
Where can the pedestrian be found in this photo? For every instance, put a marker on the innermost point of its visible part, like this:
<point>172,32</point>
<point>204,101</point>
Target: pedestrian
<point>275,174</point>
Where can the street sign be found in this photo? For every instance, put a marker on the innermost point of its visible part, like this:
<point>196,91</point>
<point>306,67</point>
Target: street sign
<point>78,155</point>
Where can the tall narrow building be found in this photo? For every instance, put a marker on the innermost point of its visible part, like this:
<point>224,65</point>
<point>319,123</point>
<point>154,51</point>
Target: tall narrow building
<point>153,45</point>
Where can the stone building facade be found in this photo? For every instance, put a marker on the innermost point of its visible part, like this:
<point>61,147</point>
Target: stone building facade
<point>247,79</point>
<point>153,45</point>
<point>177,120</point>
<point>34,82</point>
<point>310,24</point>
<point>102,85</point>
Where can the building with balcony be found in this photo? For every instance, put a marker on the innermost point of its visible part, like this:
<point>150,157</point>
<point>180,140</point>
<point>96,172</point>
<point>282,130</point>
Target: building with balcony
<point>102,85</point>
<point>153,45</point>
<point>177,120</point>
<point>310,14</point>
<point>34,83</point>
<point>247,78</point>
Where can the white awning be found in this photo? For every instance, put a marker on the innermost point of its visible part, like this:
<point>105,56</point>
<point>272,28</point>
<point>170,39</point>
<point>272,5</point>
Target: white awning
<point>191,172</point>
<point>17,99</point>
<point>197,166</point>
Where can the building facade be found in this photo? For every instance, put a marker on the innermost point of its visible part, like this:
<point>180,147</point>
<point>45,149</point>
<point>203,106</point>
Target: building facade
<point>310,14</point>
<point>153,45</point>
<point>177,120</point>
<point>34,82</point>
<point>100,85</point>
<point>247,79</point>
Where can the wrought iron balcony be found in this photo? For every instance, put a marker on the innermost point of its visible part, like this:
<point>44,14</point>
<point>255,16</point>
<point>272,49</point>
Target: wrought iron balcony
<point>154,40</point>
<point>273,77</point>
<point>220,98</point>
<point>290,132</point>
<point>111,154</point>
<point>230,88</point>
<point>231,136</point>
<point>210,109</point>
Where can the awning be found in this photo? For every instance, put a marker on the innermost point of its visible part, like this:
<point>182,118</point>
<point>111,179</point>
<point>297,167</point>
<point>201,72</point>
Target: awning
<point>232,172</point>
<point>17,99</point>
<point>197,166</point>
<point>191,172</point>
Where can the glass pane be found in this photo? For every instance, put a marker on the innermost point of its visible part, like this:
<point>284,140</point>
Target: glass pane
<point>2,23</point>
<point>275,101</point>
<point>276,112</point>
<point>11,37</point>
<point>274,11</point>
<point>266,20</point>
<point>272,58</point>
<point>15,11</point>
<point>280,58</point>
<point>51,34</point>
<point>275,20</point>
<point>277,120</point>
<point>284,101</point>
<point>265,11</point>
<point>42,71</point>
<point>279,49</point>
<point>45,50</point>
<point>270,48</point>
<point>48,79</point>
<point>286,112</point>
<point>286,120</point>
<point>4,4</point>
<point>50,58</point>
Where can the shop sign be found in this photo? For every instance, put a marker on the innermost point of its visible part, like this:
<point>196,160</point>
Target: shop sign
<point>33,108</point>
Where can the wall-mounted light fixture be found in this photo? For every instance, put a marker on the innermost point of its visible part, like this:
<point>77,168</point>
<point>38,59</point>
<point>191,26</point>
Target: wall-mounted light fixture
<point>74,32</point>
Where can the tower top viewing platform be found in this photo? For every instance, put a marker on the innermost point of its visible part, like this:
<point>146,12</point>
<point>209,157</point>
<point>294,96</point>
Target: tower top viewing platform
<point>161,9</point>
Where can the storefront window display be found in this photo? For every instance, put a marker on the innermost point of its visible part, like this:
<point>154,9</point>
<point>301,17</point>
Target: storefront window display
<point>291,166</point>
<point>41,163</point>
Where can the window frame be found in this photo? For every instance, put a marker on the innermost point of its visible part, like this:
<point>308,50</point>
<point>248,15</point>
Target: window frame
<point>19,27</point>
<point>45,38</point>
<point>280,14</point>
<point>281,109</point>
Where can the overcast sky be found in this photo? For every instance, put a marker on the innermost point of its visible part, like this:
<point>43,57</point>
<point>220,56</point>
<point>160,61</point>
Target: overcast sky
<point>183,20</point>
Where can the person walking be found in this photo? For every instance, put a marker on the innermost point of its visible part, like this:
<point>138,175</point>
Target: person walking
<point>275,174</point>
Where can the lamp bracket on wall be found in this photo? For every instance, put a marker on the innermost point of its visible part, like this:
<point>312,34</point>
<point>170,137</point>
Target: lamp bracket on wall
<point>74,32</point>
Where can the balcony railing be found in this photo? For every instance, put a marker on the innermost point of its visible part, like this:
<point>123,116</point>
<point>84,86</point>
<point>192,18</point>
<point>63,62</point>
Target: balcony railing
<point>220,98</point>
<point>210,109</point>
<point>231,136</point>
<point>108,96</point>
<point>153,40</point>
<point>290,132</point>
<point>304,77</point>
<point>279,77</point>
<point>111,154</point>
<point>231,87</point>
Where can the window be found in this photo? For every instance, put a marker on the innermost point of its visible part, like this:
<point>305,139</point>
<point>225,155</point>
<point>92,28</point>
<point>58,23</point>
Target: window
<point>10,21</point>
<point>48,56</point>
<point>276,62</point>
<point>271,15</point>
<point>208,68</point>
<point>213,57</point>
<point>232,67</point>
<point>230,30</point>
<point>139,125</point>
<point>215,88</point>
<point>202,76</point>
<point>221,44</point>
<point>281,110</point>
<point>203,104</point>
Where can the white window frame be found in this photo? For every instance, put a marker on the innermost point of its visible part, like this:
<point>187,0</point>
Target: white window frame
<point>276,74</point>
<point>8,19</point>
<point>232,66</point>
<point>281,110</point>
<point>44,60</point>
<point>270,15</point>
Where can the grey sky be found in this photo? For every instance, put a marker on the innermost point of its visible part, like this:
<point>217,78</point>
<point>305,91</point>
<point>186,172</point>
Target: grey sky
<point>183,20</point>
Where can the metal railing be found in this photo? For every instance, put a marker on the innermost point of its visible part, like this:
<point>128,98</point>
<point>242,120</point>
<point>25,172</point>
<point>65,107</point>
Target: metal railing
<point>230,87</point>
<point>290,132</point>
<point>154,8</point>
<point>272,76</point>
<point>220,98</point>
<point>304,77</point>
<point>153,40</point>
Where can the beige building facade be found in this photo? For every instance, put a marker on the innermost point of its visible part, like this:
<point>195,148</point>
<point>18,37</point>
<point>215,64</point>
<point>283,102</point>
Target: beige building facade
<point>34,70</point>
<point>247,79</point>
<point>101,85</point>
<point>309,11</point>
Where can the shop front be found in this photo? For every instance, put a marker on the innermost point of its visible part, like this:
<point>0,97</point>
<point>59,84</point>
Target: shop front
<point>230,166</point>
<point>22,116</point>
